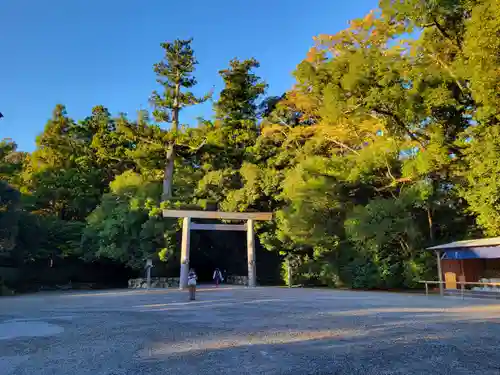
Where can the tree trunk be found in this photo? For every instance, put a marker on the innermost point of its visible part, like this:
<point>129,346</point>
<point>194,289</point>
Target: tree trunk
<point>168,178</point>
<point>430,223</point>
<point>169,173</point>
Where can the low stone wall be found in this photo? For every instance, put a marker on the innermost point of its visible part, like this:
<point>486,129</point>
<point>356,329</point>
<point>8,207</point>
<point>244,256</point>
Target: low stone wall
<point>156,282</point>
<point>237,280</point>
<point>173,282</point>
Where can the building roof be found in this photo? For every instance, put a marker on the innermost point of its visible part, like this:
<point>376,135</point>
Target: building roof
<point>464,245</point>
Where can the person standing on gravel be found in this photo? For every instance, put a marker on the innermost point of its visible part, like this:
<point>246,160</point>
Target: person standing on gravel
<point>192,284</point>
<point>217,277</point>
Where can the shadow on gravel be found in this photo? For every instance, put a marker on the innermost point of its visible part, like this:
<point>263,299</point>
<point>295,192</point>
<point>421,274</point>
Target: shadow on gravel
<point>462,340</point>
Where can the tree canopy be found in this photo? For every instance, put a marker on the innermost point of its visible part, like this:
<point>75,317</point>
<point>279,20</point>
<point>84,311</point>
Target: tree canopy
<point>387,142</point>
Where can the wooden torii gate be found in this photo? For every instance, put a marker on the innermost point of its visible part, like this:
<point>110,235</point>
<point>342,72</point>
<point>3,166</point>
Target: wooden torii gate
<point>187,226</point>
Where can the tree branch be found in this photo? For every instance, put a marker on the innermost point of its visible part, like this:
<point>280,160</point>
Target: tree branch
<point>282,122</point>
<point>192,148</point>
<point>448,69</point>
<point>443,32</point>
<point>389,169</point>
<point>401,124</point>
<point>394,183</point>
<point>342,145</point>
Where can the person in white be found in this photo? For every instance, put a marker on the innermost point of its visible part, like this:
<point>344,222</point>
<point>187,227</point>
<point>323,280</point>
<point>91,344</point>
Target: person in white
<point>217,277</point>
<point>192,284</point>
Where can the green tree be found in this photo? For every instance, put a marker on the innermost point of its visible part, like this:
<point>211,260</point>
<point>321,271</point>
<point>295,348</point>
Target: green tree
<point>63,177</point>
<point>242,89</point>
<point>481,48</point>
<point>175,75</point>
<point>125,226</point>
<point>481,187</point>
<point>11,162</point>
<point>386,143</point>
<point>233,133</point>
<point>10,200</point>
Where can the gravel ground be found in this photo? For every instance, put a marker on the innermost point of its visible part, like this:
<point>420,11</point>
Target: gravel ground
<point>247,331</point>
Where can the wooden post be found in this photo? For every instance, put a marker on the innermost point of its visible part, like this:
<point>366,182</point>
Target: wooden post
<point>440,273</point>
<point>251,254</point>
<point>289,271</point>
<point>149,265</point>
<point>186,224</point>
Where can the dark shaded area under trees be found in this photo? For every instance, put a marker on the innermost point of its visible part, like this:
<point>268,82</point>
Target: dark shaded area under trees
<point>386,144</point>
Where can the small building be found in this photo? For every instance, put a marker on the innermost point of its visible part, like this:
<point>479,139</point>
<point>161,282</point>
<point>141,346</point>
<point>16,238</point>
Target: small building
<point>468,261</point>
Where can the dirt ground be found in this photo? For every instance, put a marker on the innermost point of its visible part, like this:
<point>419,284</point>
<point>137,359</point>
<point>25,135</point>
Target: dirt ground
<point>247,331</point>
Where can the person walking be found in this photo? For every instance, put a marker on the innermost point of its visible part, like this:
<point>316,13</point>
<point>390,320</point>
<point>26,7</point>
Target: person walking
<point>217,277</point>
<point>192,284</point>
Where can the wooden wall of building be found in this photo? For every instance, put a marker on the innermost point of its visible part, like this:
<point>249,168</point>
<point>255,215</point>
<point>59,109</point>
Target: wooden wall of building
<point>473,269</point>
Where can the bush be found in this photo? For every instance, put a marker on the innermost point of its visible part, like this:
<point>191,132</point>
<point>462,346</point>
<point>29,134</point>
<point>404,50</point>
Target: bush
<point>4,290</point>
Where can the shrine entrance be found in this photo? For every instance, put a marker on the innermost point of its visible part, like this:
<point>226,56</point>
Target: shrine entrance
<point>187,226</point>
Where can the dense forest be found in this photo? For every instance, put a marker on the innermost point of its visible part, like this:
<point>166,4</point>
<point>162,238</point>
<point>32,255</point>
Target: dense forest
<point>388,142</point>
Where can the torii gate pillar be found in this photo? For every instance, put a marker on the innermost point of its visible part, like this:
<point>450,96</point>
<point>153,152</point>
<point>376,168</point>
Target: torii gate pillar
<point>252,276</point>
<point>186,236</point>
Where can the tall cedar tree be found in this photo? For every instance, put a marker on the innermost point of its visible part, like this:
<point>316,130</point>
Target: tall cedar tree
<point>242,89</point>
<point>175,74</point>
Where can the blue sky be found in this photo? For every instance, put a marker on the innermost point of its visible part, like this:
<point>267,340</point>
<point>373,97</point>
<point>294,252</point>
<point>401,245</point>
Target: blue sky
<point>87,52</point>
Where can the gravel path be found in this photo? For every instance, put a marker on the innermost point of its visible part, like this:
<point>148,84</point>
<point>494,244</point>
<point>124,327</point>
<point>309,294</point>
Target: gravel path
<point>247,331</point>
